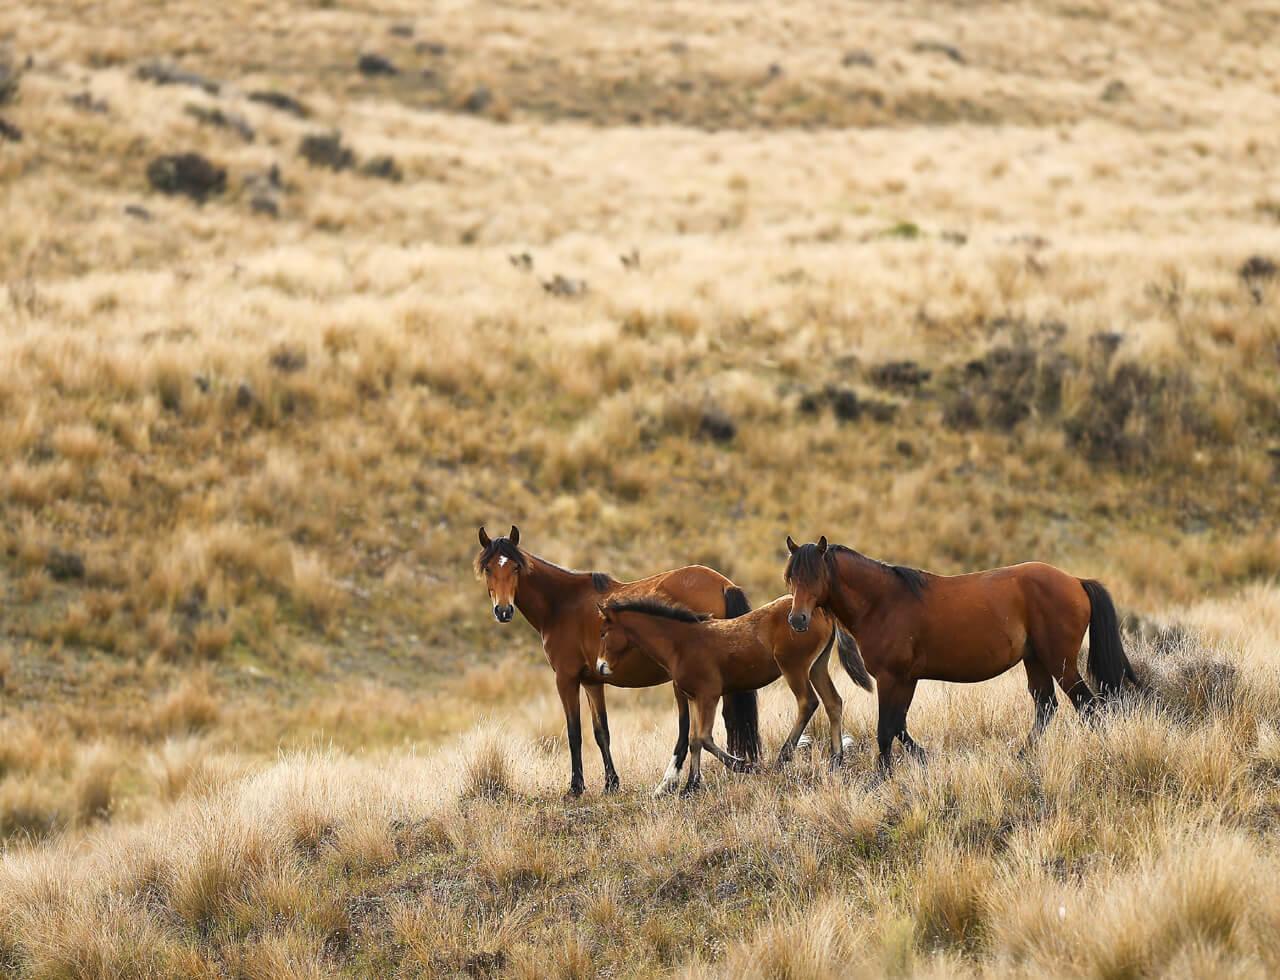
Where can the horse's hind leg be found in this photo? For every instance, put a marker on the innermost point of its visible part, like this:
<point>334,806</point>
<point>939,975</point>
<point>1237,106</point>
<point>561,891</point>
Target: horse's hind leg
<point>820,677</point>
<point>600,726</point>
<point>1040,685</point>
<point>1058,654</point>
<point>671,778</point>
<point>704,719</point>
<point>806,705</point>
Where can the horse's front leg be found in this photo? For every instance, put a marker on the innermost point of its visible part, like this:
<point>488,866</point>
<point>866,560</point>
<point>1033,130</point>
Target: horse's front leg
<point>567,687</point>
<point>671,778</point>
<point>600,726</point>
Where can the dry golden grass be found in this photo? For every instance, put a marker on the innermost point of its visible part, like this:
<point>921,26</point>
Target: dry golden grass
<point>954,306</point>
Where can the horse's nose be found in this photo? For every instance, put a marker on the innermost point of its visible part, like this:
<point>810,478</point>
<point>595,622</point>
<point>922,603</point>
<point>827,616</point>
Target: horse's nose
<point>503,614</point>
<point>602,668</point>
<point>799,622</point>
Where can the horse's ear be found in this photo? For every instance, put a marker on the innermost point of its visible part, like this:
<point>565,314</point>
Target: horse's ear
<point>791,545</point>
<point>514,536</point>
<point>822,545</point>
<point>484,538</point>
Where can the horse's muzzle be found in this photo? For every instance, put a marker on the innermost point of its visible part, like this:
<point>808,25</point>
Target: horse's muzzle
<point>602,668</point>
<point>799,622</point>
<point>504,614</point>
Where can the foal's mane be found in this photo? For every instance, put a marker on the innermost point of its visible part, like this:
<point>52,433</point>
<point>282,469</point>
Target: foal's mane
<point>806,560</point>
<point>656,607</point>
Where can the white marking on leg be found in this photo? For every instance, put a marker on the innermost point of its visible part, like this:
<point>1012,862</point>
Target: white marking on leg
<point>805,741</point>
<point>670,779</point>
<point>846,742</point>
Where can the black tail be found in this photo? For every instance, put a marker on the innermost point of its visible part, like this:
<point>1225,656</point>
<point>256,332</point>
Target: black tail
<point>851,659</point>
<point>1108,665</point>
<point>740,711</point>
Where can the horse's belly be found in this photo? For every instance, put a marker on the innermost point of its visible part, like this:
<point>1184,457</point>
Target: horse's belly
<point>970,662</point>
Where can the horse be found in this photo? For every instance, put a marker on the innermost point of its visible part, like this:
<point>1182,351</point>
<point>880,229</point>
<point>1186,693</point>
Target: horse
<point>562,606</point>
<point>913,625</point>
<point>707,659</point>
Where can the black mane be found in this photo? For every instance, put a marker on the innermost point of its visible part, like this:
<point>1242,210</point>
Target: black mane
<point>500,548</point>
<point>656,607</point>
<point>806,560</point>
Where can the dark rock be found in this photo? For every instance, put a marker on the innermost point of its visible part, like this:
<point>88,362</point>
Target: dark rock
<point>956,238</point>
<point>523,261</point>
<point>287,360</point>
<point>479,100</point>
<point>265,204</point>
<point>717,426</point>
<point>858,58</point>
<point>213,116</point>
<point>186,173</point>
<point>1116,91</point>
<point>64,565</point>
<point>382,167</point>
<point>163,73</point>
<point>773,72</point>
<point>203,383</point>
<point>85,102</point>
<point>137,211</point>
<point>938,47</point>
<point>400,30</point>
<point>904,448</point>
<point>433,48</point>
<point>810,403</point>
<point>1258,267</point>
<point>375,64</point>
<point>10,132</point>
<point>278,100</point>
<point>1106,342</point>
<point>630,260</point>
<point>10,78</point>
<point>899,375</point>
<point>844,403</point>
<point>326,150</point>
<point>564,286</point>
<point>244,396</point>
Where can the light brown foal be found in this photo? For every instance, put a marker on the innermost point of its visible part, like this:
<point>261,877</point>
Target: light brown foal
<point>707,659</point>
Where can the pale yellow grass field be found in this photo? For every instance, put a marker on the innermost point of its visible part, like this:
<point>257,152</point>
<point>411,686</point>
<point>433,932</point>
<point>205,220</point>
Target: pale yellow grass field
<point>270,442</point>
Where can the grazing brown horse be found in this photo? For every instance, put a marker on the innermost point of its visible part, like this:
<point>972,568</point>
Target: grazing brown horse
<point>912,625</point>
<point>562,606</point>
<point>707,659</point>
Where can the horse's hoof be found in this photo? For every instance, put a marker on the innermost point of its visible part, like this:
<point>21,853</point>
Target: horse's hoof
<point>665,788</point>
<point>574,792</point>
<point>805,742</point>
<point>612,786</point>
<point>691,788</point>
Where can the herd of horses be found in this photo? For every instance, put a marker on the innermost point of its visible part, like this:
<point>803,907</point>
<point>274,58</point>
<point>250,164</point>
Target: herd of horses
<point>693,627</point>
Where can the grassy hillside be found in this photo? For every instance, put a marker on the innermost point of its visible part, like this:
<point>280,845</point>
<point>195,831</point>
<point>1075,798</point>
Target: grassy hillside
<point>955,284</point>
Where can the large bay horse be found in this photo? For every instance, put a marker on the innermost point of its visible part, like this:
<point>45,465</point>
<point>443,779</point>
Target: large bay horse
<point>563,607</point>
<point>707,659</point>
<point>912,625</point>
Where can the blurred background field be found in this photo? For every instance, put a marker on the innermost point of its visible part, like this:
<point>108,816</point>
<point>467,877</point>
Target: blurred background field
<point>956,284</point>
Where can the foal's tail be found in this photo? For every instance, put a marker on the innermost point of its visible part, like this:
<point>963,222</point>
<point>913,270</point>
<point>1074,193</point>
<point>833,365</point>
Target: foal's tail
<point>851,658</point>
<point>1108,665</point>
<point>740,710</point>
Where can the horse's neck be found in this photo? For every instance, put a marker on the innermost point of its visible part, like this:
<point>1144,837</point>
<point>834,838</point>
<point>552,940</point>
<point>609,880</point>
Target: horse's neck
<point>545,590</point>
<point>652,637</point>
<point>862,588</point>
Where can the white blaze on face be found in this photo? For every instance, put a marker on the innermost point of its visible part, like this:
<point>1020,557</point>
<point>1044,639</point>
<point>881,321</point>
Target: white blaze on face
<point>502,560</point>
